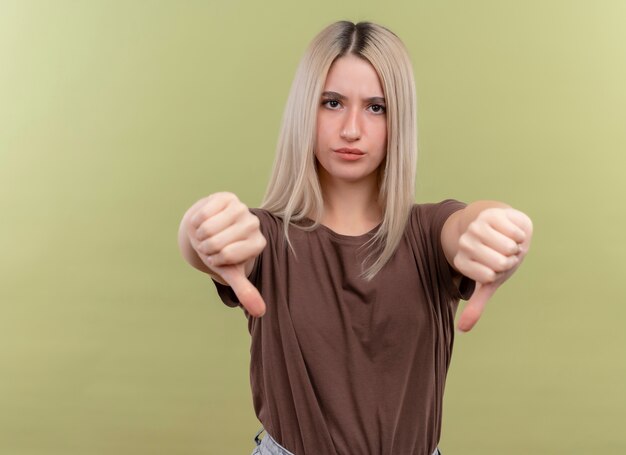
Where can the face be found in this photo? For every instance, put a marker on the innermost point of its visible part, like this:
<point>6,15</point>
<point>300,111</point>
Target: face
<point>351,123</point>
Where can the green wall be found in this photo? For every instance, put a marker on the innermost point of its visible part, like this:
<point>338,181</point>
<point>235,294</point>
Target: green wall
<point>116,116</point>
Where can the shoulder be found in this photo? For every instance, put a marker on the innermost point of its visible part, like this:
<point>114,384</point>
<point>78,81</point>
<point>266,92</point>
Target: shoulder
<point>435,211</point>
<point>432,209</point>
<point>430,217</point>
<point>262,214</point>
<point>265,216</point>
<point>271,225</point>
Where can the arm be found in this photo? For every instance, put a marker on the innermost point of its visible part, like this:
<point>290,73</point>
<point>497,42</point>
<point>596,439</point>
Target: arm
<point>486,241</point>
<point>219,236</point>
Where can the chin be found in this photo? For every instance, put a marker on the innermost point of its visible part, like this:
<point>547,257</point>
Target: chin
<point>351,177</point>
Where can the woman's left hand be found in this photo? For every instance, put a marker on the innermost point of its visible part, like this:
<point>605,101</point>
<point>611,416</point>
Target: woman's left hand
<point>489,251</point>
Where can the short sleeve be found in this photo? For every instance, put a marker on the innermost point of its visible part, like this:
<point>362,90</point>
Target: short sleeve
<point>428,221</point>
<point>226,294</point>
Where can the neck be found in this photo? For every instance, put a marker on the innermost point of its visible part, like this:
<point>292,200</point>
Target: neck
<point>350,208</point>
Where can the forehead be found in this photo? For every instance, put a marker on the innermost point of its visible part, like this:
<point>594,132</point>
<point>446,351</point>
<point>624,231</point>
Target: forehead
<point>353,75</point>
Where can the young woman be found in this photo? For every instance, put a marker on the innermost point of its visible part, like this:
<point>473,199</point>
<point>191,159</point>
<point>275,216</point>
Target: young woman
<point>350,288</point>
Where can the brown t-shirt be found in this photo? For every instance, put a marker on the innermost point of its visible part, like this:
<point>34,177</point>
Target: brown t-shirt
<point>340,366</point>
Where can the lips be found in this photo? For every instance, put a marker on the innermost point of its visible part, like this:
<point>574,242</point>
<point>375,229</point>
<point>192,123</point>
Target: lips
<point>349,151</point>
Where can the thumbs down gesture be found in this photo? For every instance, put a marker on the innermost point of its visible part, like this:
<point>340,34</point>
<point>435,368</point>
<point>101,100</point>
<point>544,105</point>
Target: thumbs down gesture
<point>489,246</point>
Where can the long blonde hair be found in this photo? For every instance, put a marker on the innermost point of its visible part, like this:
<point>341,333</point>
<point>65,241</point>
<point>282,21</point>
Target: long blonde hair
<point>294,191</point>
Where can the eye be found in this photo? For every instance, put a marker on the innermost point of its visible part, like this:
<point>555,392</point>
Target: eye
<point>377,108</point>
<point>331,104</point>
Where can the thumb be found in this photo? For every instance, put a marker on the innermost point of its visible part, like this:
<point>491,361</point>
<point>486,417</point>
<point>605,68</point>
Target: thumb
<point>246,293</point>
<point>475,306</point>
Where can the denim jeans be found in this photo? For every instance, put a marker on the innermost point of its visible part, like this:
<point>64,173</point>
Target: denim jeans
<point>267,446</point>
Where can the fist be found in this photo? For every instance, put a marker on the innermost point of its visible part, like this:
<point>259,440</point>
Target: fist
<point>227,237</point>
<point>489,252</point>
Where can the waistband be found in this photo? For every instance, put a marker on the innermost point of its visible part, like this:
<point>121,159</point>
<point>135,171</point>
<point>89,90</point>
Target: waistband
<point>268,446</point>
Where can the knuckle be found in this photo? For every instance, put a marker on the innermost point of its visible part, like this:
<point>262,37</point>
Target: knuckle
<point>493,211</point>
<point>210,246</point>
<point>474,227</point>
<point>464,242</point>
<point>498,261</point>
<point>230,199</point>
<point>261,243</point>
<point>483,215</point>
<point>202,232</point>
<point>513,248</point>
<point>200,248</point>
<point>241,209</point>
<point>228,256</point>
<point>223,198</point>
<point>502,263</point>
<point>199,205</point>
<point>200,215</point>
<point>216,259</point>
<point>250,224</point>
<point>489,276</point>
<point>223,194</point>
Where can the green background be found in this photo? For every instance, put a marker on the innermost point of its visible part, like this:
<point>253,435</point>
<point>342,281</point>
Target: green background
<point>116,116</point>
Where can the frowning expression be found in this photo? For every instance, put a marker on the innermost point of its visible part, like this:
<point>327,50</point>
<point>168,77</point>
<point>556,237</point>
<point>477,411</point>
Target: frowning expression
<point>351,122</point>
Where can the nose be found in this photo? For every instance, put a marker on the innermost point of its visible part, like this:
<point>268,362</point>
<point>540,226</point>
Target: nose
<point>351,128</point>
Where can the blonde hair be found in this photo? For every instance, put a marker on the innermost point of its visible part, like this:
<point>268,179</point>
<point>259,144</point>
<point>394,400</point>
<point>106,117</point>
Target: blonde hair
<point>294,191</point>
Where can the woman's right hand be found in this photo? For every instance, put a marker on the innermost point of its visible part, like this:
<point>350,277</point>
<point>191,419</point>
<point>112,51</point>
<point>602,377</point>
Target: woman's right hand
<point>227,238</point>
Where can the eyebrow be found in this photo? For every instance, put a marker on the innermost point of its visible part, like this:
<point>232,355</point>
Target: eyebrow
<point>340,97</point>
